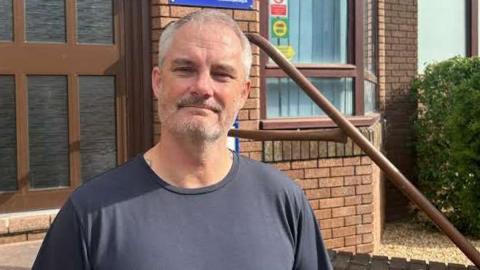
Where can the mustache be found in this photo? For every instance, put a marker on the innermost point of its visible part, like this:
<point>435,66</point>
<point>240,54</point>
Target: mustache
<point>197,101</point>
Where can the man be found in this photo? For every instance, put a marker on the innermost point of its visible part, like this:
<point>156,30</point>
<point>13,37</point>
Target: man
<point>189,202</point>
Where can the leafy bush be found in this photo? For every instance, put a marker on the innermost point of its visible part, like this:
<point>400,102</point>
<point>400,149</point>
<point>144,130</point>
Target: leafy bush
<point>447,127</point>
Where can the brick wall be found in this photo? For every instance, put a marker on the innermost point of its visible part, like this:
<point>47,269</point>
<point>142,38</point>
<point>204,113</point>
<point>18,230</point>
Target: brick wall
<point>25,226</point>
<point>397,67</point>
<point>342,185</point>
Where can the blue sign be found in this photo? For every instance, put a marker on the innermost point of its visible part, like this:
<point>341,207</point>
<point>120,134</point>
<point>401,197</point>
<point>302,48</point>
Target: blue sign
<point>236,4</point>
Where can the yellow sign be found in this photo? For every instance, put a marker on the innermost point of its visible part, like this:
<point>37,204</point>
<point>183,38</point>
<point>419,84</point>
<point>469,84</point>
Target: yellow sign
<point>280,27</point>
<point>287,51</point>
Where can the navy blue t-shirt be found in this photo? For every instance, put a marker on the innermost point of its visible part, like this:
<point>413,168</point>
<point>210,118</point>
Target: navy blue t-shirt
<point>255,218</point>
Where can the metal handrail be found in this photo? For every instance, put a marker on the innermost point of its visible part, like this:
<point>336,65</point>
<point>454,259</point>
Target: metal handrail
<point>333,135</point>
<point>392,173</point>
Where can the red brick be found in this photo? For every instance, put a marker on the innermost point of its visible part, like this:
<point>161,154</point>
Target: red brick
<point>324,213</point>
<point>164,21</point>
<point>3,226</point>
<point>13,238</point>
<point>366,198</point>
<point>335,243</point>
<point>332,223</point>
<point>254,114</point>
<point>351,249</point>
<point>352,180</point>
<point>36,236</point>
<point>366,160</point>
<point>313,204</point>
<point>308,183</point>
<point>365,248</point>
<point>367,238</point>
<point>251,103</point>
<point>331,162</point>
<point>364,228</point>
<point>242,115</point>
<point>331,202</point>
<point>351,161</point>
<point>326,233</point>
<point>353,220</point>
<point>364,209</point>
<point>180,11</point>
<point>363,189</point>
<point>318,193</point>
<point>295,174</point>
<point>250,125</point>
<point>366,179</point>
<point>353,200</point>
<point>343,211</point>
<point>343,191</point>
<point>342,171</point>
<point>367,218</point>
<point>245,15</point>
<point>304,164</point>
<point>353,240</point>
<point>251,146</point>
<point>343,231</point>
<point>164,11</point>
<point>331,182</point>
<point>312,173</point>
<point>363,169</point>
<point>281,165</point>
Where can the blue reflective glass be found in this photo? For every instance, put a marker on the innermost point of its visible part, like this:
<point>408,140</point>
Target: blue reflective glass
<point>286,99</point>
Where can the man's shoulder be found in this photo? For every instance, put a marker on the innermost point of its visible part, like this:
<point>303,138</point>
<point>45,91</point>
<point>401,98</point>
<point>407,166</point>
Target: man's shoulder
<point>268,176</point>
<point>112,186</point>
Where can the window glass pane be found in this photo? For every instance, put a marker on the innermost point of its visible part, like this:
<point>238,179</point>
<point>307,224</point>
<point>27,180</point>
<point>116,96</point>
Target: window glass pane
<point>45,20</point>
<point>8,141</point>
<point>317,31</point>
<point>286,99</point>
<point>370,97</point>
<point>441,30</point>
<point>48,131</point>
<point>370,36</point>
<point>95,21</point>
<point>6,22</point>
<point>97,125</point>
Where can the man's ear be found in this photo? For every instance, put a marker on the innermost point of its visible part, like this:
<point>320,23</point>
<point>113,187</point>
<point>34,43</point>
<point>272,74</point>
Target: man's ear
<point>156,81</point>
<point>245,92</point>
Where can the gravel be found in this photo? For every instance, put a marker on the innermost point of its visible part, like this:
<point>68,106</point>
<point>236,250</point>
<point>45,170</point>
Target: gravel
<point>410,240</point>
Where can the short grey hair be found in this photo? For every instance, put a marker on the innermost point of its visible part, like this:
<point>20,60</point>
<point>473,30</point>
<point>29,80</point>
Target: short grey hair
<point>202,17</point>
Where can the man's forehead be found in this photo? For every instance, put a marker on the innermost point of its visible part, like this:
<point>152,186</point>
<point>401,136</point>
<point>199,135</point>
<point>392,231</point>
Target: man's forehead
<point>208,34</point>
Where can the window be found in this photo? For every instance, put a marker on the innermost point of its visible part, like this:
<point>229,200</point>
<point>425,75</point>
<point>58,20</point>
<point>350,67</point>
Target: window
<point>446,28</point>
<point>333,43</point>
<point>442,30</point>
<point>63,95</point>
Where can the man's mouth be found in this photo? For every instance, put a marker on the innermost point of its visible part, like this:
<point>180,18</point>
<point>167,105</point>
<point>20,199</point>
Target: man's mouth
<point>201,107</point>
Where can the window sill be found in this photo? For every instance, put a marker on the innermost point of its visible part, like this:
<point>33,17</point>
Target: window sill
<point>306,123</point>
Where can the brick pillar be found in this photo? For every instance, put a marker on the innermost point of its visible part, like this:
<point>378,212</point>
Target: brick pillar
<point>397,68</point>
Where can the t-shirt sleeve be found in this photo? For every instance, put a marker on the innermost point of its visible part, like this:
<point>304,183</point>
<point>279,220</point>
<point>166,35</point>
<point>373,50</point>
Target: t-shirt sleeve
<point>310,253</point>
<point>64,246</point>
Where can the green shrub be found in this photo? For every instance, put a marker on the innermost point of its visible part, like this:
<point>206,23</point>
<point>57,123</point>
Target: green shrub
<point>447,128</point>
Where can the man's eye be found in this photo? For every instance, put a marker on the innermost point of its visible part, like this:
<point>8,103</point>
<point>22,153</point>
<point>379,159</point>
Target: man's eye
<point>222,75</point>
<point>184,70</point>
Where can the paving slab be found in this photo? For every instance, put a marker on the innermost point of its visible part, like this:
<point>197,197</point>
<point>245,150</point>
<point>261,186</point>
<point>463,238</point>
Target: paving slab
<point>18,256</point>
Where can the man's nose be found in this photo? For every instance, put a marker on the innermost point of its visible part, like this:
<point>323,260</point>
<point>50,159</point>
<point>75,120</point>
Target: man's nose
<point>203,85</point>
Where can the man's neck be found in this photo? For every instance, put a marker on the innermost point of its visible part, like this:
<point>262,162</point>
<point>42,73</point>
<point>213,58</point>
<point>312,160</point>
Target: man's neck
<point>188,164</point>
